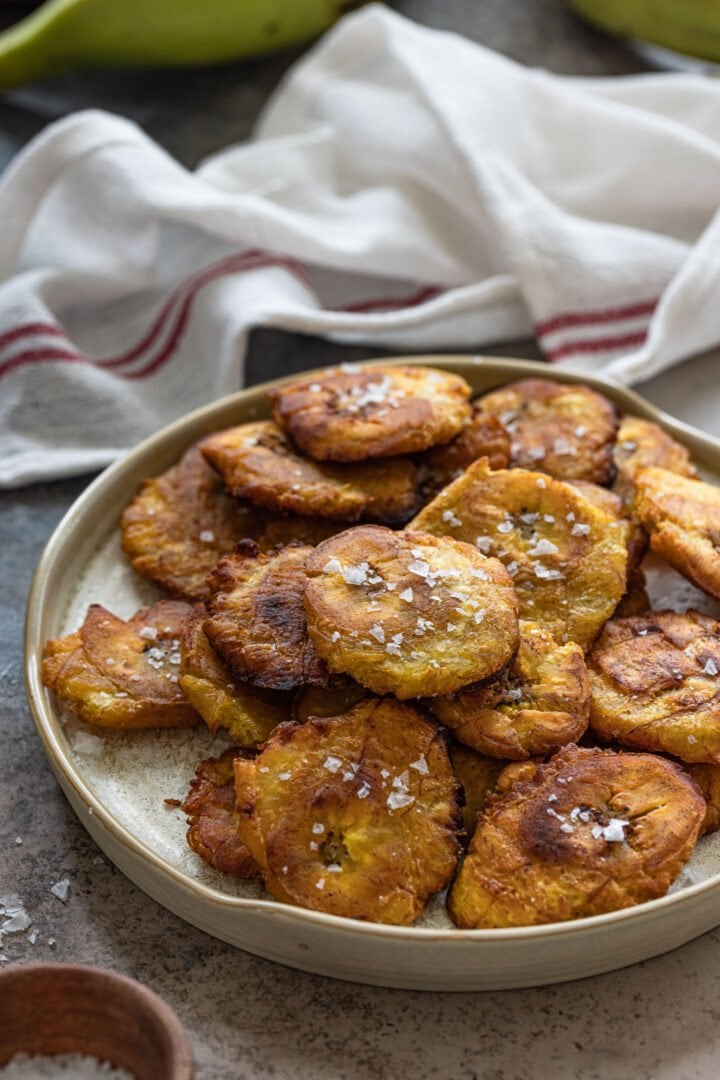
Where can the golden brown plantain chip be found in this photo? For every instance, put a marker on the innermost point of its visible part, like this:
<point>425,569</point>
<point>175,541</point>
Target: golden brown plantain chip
<point>483,436</point>
<point>258,462</point>
<point>566,431</point>
<point>354,815</point>
<point>477,776</point>
<point>353,414</point>
<point>247,713</point>
<point>409,614</point>
<point>682,517</point>
<point>516,772</point>
<point>640,444</point>
<point>707,778</point>
<point>594,831</point>
<point>539,702</point>
<point>120,674</point>
<point>257,621</point>
<point>210,806</point>
<point>567,558</point>
<point>180,524</point>
<point>655,682</point>
<point>312,701</point>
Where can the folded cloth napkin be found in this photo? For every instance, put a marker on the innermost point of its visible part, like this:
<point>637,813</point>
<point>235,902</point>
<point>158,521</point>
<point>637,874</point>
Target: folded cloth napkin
<point>405,188</point>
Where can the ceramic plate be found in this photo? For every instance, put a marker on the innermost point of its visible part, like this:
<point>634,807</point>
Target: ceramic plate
<point>117,782</point>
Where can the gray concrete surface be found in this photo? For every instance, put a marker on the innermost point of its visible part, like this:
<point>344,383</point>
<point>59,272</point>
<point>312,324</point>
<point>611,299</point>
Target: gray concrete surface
<point>248,1018</point>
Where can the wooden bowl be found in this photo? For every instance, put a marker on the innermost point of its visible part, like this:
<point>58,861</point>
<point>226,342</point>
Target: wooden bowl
<point>72,1009</point>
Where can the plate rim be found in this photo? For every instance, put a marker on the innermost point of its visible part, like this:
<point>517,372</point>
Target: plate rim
<point>48,724</point>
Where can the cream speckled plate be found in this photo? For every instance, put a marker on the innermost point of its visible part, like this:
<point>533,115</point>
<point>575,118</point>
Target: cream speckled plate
<point>117,782</point>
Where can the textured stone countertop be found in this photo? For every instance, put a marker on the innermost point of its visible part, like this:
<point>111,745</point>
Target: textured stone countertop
<point>249,1018</point>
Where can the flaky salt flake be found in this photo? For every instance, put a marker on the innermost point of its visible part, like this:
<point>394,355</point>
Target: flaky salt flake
<point>419,567</point>
<point>570,516</point>
<point>207,536</point>
<point>284,775</point>
<point>451,518</point>
<point>535,453</point>
<point>545,547</point>
<point>148,633</point>
<point>710,668</point>
<point>540,482</point>
<point>552,798</point>
<point>566,828</point>
<point>18,839</point>
<point>334,868</point>
<point>450,627</point>
<point>613,832</point>
<point>580,430</point>
<point>335,636</point>
<point>579,529</point>
<point>318,828</point>
<point>61,889</point>
<point>314,387</point>
<point>397,799</point>
<point>320,884</point>
<point>378,633</point>
<point>484,544</point>
<point>562,447</point>
<point>407,595</point>
<point>505,527</point>
<point>478,617</point>
<point>364,790</point>
<point>420,765</point>
<point>479,573</point>
<point>332,763</point>
<point>333,566</point>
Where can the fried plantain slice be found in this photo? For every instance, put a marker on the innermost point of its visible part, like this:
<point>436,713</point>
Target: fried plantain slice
<point>539,702</point>
<point>656,684</point>
<point>483,436</point>
<point>566,431</point>
<point>354,815</point>
<point>123,675</point>
<point>351,415</point>
<point>180,524</point>
<point>312,701</point>
<point>258,462</point>
<point>640,444</point>
<point>247,713</point>
<point>477,776</point>
<point>567,557</point>
<point>212,818</point>
<point>409,614</point>
<point>707,778</point>
<point>593,831</point>
<point>682,517</point>
<point>257,621</point>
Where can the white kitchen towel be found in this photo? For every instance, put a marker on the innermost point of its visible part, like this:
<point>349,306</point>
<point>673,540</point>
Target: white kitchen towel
<point>405,188</point>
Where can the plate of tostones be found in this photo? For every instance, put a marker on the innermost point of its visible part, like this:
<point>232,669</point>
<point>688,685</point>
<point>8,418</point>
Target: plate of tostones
<point>405,673</point>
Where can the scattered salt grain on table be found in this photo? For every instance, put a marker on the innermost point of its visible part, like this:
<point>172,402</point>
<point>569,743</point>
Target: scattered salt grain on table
<point>78,1066</point>
<point>61,889</point>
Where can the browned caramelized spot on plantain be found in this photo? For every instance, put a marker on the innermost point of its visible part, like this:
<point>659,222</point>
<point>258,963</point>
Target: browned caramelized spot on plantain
<point>567,557</point>
<point>210,807</point>
<point>247,713</point>
<point>409,614</point>
<point>258,462</point>
<point>539,702</point>
<point>123,675</point>
<point>566,431</point>
<point>655,682</point>
<point>180,524</point>
<point>257,621</point>
<point>280,531</point>
<point>640,444</point>
<point>593,831</point>
<point>312,701</point>
<point>682,517</point>
<point>483,436</point>
<point>477,776</point>
<point>352,415</point>
<point>354,815</point>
